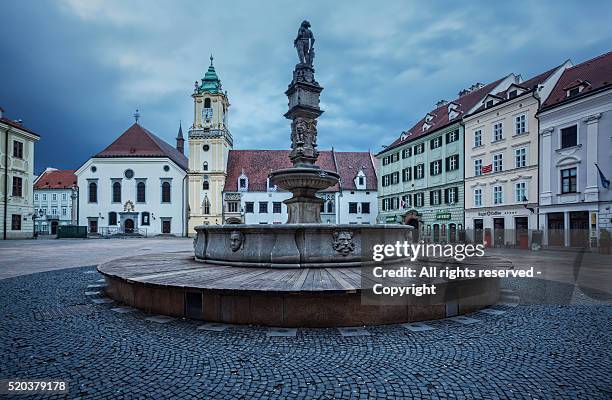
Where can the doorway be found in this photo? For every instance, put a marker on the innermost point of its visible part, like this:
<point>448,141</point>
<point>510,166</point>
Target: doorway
<point>499,231</point>
<point>54,225</point>
<point>128,226</point>
<point>436,233</point>
<point>93,226</point>
<point>521,231</point>
<point>579,228</point>
<point>166,226</point>
<point>478,230</point>
<point>556,229</point>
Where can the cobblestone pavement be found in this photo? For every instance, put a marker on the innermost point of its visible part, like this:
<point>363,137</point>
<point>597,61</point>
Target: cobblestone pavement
<point>52,329</point>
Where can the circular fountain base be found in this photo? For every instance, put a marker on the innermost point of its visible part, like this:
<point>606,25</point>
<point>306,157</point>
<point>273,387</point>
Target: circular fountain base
<point>176,284</point>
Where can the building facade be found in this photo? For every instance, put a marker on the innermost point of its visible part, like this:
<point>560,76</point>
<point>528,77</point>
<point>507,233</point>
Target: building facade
<point>209,144</point>
<point>575,202</point>
<point>137,185</point>
<point>16,178</point>
<point>250,198</point>
<point>421,173</point>
<point>501,162</point>
<point>55,200</point>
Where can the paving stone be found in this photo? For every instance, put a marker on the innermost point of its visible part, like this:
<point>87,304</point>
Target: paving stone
<point>123,310</point>
<point>354,331</point>
<point>160,319</point>
<point>418,327</point>
<point>214,327</point>
<point>492,311</point>
<point>96,285</point>
<point>461,319</point>
<point>102,301</point>
<point>90,272</point>
<point>281,332</point>
<point>92,293</point>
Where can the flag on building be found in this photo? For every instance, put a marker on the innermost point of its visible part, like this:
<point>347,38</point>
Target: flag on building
<point>605,182</point>
<point>487,168</point>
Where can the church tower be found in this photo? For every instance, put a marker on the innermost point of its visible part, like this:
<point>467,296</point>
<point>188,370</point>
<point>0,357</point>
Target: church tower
<point>209,144</point>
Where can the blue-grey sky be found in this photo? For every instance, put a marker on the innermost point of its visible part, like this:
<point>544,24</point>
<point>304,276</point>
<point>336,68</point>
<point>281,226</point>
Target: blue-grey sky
<point>76,70</point>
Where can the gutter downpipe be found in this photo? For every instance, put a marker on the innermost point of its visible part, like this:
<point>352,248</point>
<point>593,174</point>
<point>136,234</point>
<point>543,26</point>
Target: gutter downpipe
<point>5,181</point>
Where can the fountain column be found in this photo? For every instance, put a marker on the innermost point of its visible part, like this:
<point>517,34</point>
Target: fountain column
<point>306,178</point>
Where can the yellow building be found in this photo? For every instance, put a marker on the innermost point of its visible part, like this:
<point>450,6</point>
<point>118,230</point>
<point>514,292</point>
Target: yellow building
<point>209,144</point>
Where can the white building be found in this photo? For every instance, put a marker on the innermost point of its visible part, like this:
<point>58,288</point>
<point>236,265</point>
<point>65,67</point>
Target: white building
<point>249,198</point>
<point>575,139</point>
<point>55,200</point>
<point>16,178</point>
<point>137,185</point>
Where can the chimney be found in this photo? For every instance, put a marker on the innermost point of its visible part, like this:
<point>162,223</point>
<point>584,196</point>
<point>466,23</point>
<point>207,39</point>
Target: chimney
<point>463,92</point>
<point>180,141</point>
<point>441,103</point>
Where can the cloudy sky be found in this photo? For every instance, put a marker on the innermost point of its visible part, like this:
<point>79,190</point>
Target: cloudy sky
<point>76,70</point>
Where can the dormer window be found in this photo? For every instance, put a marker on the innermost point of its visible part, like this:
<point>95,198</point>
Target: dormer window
<point>360,180</point>
<point>429,117</point>
<point>576,88</point>
<point>426,126</point>
<point>512,94</point>
<point>490,103</point>
<point>271,187</point>
<point>573,91</point>
<point>243,183</point>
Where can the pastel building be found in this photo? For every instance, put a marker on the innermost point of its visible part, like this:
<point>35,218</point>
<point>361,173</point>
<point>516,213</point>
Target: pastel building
<point>55,200</point>
<point>421,173</point>
<point>16,179</point>
<point>501,161</point>
<point>249,197</point>
<point>575,202</point>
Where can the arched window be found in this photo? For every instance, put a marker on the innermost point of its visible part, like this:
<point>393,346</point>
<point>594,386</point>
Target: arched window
<point>117,192</point>
<point>205,185</point>
<point>112,218</point>
<point>145,218</point>
<point>140,192</point>
<point>166,192</point>
<point>93,192</point>
<point>205,166</point>
<point>207,102</point>
<point>330,207</point>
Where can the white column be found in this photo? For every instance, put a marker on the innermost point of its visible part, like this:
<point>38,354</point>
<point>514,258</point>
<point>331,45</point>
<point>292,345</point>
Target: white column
<point>545,166</point>
<point>591,190</point>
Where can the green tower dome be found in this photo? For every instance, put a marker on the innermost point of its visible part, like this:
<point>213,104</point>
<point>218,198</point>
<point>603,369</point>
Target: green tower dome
<point>211,82</point>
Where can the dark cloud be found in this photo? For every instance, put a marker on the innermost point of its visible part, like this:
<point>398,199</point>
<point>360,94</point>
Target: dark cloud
<point>75,71</point>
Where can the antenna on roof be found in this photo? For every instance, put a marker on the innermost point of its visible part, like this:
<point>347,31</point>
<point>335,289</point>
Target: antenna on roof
<point>136,116</point>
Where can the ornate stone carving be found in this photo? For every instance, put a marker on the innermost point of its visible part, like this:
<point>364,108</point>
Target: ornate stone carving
<point>236,240</point>
<point>304,44</point>
<point>304,138</point>
<point>128,206</point>
<point>343,242</point>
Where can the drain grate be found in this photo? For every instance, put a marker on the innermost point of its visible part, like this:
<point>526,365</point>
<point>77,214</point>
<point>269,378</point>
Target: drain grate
<point>48,314</point>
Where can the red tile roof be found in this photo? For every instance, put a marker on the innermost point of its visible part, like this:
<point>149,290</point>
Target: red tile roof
<point>18,126</point>
<point>56,179</point>
<point>256,164</point>
<point>139,142</point>
<point>597,72</point>
<point>440,120</point>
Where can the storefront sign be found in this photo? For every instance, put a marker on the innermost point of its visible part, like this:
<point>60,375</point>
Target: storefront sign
<point>391,218</point>
<point>493,213</point>
<point>443,215</point>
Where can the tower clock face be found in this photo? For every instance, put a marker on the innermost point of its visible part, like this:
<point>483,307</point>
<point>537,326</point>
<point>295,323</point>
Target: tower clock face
<point>207,113</point>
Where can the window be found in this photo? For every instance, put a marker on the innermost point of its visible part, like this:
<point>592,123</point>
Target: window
<point>568,180</point>
<point>17,186</point>
<point>129,174</point>
<point>352,208</point>
<point>207,102</point>
<point>520,124</point>
<point>361,180</point>
<point>35,196</point>
<point>242,184</point>
<point>435,197</point>
<point>478,197</point>
<point>365,208</point>
<point>435,167</point>
<point>395,178</point>
<point>520,158</point>
<point>435,143</point>
<point>145,218</point>
<point>573,91</point>
<point>569,136</point>
<point>407,152</point>
<point>112,218</point>
<point>165,191</point>
<point>44,197</point>
<point>330,206</point>
<point>489,104</point>
<point>232,206</point>
<point>17,149</point>
<point>206,147</point>
<point>206,206</point>
<point>498,162</point>
<point>93,192</point>
<point>478,167</point>
<point>452,136</point>
<point>64,196</point>
<point>477,138</point>
<point>498,133</point>
<point>498,196</point>
<point>205,185</point>
<point>64,211</point>
<point>117,192</point>
<point>263,207</point>
<point>16,222</point>
<point>419,148</point>
<point>419,199</point>
<point>406,201</point>
<point>521,192</point>
<point>406,174</point>
<point>451,195</point>
<point>54,196</point>
<point>276,207</point>
<point>249,207</point>
<point>53,211</point>
<point>141,192</point>
<point>512,94</point>
<point>205,166</point>
<point>452,162</point>
<point>419,171</point>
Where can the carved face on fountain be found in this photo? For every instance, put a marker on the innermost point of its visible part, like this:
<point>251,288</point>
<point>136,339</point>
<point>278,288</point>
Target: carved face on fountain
<point>236,240</point>
<point>343,242</point>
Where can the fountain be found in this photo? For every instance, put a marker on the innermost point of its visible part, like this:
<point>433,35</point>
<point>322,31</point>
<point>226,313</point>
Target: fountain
<point>302,273</point>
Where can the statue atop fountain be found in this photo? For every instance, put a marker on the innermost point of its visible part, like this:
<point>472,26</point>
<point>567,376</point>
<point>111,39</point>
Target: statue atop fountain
<point>306,178</point>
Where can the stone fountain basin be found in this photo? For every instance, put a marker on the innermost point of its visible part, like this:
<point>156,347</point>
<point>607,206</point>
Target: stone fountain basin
<point>313,179</point>
<point>294,245</point>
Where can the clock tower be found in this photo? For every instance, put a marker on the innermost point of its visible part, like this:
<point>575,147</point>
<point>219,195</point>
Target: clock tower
<point>209,144</point>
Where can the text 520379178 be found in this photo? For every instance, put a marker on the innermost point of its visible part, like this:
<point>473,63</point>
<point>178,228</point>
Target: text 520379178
<point>23,386</point>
